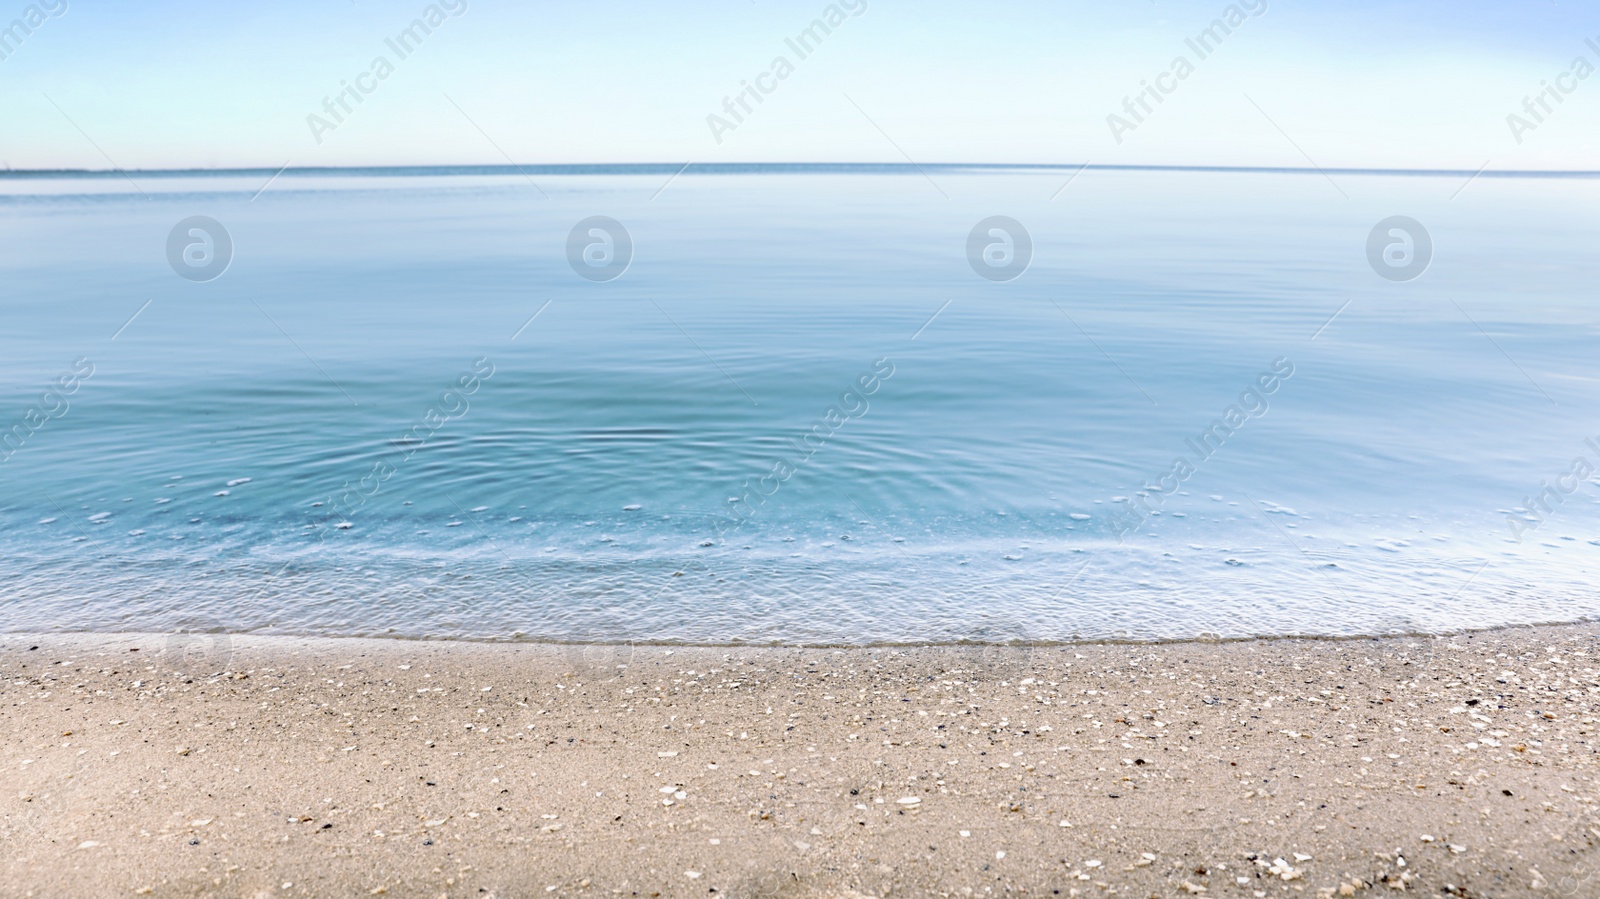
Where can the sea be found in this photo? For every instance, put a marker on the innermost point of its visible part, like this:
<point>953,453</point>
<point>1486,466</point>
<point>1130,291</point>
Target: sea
<point>822,405</point>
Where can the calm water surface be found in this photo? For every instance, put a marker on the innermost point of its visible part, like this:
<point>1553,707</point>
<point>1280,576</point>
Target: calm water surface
<point>358,430</point>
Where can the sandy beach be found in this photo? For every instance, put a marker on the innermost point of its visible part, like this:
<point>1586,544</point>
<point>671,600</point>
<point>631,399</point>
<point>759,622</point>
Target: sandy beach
<point>266,766</point>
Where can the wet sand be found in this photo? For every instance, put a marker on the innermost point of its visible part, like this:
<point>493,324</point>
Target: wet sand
<point>253,766</point>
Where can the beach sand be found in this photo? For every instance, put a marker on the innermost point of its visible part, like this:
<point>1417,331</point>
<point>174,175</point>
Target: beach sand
<point>266,766</point>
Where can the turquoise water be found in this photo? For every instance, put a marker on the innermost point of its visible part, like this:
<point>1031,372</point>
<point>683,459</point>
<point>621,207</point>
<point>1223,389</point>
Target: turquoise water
<point>400,410</point>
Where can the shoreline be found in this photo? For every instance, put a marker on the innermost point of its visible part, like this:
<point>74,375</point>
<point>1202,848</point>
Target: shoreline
<point>1026,644</point>
<point>340,766</point>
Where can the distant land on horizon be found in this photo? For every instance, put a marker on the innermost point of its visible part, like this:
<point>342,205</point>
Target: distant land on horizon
<point>675,168</point>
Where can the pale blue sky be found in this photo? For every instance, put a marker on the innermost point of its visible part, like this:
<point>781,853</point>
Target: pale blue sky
<point>1428,84</point>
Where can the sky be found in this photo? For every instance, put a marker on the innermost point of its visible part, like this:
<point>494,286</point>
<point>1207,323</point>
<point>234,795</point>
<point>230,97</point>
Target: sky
<point>1353,84</point>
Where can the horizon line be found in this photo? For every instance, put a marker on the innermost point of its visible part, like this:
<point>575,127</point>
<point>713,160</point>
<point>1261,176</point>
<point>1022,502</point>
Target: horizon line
<point>674,168</point>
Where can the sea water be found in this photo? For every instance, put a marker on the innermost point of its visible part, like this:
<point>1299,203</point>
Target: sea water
<point>794,404</point>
